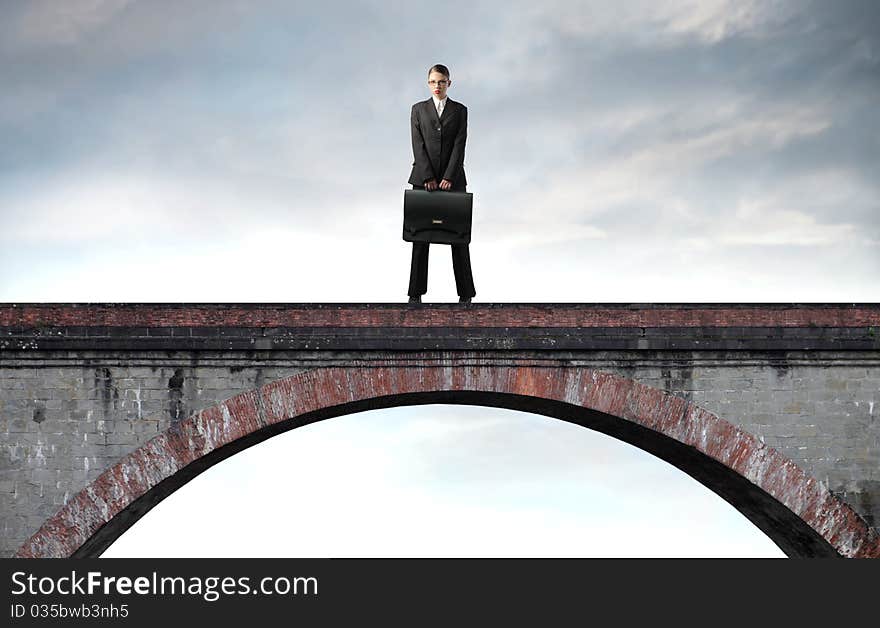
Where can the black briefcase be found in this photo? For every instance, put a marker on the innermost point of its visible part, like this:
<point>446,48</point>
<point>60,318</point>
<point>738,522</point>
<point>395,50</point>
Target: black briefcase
<point>441,216</point>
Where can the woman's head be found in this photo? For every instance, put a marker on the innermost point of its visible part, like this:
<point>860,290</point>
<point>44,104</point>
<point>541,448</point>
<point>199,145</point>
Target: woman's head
<point>438,80</point>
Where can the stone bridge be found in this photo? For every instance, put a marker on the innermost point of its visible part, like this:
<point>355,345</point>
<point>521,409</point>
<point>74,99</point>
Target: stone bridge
<point>105,409</point>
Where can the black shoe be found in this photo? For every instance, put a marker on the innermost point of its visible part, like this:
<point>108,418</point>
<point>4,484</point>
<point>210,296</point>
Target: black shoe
<point>464,299</point>
<point>415,299</point>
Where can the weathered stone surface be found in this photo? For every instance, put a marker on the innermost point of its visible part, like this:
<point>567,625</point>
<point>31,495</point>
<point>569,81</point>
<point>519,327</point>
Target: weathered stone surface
<point>785,422</point>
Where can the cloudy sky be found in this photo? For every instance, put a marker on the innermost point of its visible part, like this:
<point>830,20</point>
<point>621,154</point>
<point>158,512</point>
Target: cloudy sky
<point>635,151</point>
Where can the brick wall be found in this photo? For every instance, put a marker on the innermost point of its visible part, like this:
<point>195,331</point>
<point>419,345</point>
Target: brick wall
<point>67,412</point>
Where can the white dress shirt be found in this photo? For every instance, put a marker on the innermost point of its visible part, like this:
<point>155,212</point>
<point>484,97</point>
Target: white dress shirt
<point>439,104</point>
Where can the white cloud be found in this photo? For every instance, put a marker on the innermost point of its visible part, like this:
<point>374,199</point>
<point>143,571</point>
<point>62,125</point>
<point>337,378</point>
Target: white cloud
<point>758,222</point>
<point>714,20</point>
<point>692,146</point>
<point>84,208</point>
<point>664,21</point>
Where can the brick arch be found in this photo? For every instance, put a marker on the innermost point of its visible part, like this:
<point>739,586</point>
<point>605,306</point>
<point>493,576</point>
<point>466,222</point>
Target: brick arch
<point>801,515</point>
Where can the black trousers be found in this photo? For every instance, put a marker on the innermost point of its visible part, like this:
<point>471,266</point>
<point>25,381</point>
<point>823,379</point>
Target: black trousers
<point>461,266</point>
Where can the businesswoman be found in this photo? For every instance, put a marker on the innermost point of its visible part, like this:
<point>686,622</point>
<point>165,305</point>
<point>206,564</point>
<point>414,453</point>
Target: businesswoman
<point>439,133</point>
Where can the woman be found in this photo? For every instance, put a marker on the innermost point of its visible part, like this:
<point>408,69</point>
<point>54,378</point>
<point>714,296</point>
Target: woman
<point>439,133</point>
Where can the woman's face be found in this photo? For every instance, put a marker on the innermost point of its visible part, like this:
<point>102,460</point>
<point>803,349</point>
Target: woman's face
<point>438,84</point>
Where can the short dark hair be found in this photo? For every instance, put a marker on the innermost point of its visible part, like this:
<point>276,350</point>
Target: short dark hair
<point>442,69</point>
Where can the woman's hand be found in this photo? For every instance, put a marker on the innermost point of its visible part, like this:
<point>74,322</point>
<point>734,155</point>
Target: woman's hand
<point>431,184</point>
<point>446,184</point>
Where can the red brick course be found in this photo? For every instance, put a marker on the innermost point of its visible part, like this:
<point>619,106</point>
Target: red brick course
<point>443,315</point>
<point>323,388</point>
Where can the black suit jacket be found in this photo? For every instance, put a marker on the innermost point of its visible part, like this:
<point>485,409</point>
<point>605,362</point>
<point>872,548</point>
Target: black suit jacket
<point>438,143</point>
